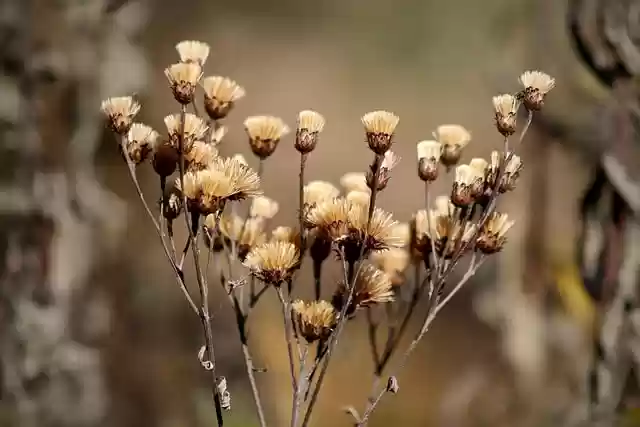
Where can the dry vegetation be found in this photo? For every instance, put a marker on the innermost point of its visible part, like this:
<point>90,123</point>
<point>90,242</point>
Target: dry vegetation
<point>388,267</point>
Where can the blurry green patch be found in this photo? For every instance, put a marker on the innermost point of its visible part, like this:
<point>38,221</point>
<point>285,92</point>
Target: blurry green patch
<point>572,294</point>
<point>631,418</point>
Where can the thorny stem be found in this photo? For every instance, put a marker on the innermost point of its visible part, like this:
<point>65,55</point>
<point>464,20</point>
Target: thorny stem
<point>167,252</point>
<point>433,309</point>
<point>333,340</point>
<point>288,332</point>
<point>203,286</point>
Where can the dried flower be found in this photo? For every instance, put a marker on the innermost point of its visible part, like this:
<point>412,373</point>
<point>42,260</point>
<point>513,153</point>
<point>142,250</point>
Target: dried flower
<point>200,155</point>
<point>141,140</point>
<point>380,127</point>
<point>263,207</point>
<point>380,235</point>
<point>429,153</point>
<point>506,109</point>
<point>511,174</point>
<point>480,166</point>
<point>493,234</point>
<point>240,159</point>
<point>273,262</point>
<point>120,112</point>
<point>358,198</point>
<point>220,94</point>
<point>183,78</point>
<point>453,139</point>
<point>165,159</point>
<point>286,234</point>
<point>225,180</point>
<point>536,85</point>
<point>372,286</point>
<point>194,129</point>
<point>310,124</point>
<point>244,234</point>
<point>330,217</point>
<point>313,320</point>
<point>393,262</point>
<point>264,133</point>
<point>466,181</point>
<point>216,136</point>
<point>389,161</point>
<point>192,51</point>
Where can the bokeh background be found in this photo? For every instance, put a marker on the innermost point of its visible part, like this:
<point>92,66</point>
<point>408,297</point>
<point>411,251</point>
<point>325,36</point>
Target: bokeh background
<point>94,331</point>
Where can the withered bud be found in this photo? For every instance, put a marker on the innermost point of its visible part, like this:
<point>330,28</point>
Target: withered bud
<point>506,108</point>
<point>220,95</point>
<point>120,112</point>
<point>183,78</point>
<point>536,85</point>
<point>264,134</point>
<point>453,139</point>
<point>480,166</point>
<point>310,124</point>
<point>165,159</point>
<point>141,140</point>
<point>429,153</point>
<point>493,234</point>
<point>464,183</point>
<point>511,173</point>
<point>392,385</point>
<point>313,320</point>
<point>379,127</point>
<point>389,162</point>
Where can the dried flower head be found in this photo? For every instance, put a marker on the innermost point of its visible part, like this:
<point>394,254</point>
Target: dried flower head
<point>354,181</point>
<point>244,234</point>
<point>183,79</point>
<point>429,153</point>
<point>389,162</point>
<point>310,124</point>
<point>536,85</point>
<point>453,139</point>
<point>330,217</point>
<point>264,133</point>
<point>141,140</point>
<point>480,166</point>
<point>506,109</point>
<point>194,129</point>
<point>240,159</point>
<point>493,234</point>
<point>380,235</point>
<point>511,173</point>
<point>192,51</point>
<point>165,158</point>
<point>466,182</point>
<point>216,136</point>
<point>286,234</point>
<point>401,232</point>
<point>273,262</point>
<point>220,94</point>
<point>358,198</point>
<point>440,225</point>
<point>263,207</point>
<point>319,191</point>
<point>372,286</point>
<point>313,320</point>
<point>200,155</point>
<point>380,127</point>
<point>120,112</point>
<point>393,262</point>
<point>225,180</point>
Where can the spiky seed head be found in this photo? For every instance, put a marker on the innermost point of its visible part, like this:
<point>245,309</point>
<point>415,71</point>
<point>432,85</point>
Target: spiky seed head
<point>194,129</point>
<point>505,108</point>
<point>245,234</point>
<point>192,51</point>
<point>493,234</point>
<point>393,262</point>
<point>330,218</point>
<point>465,183</point>
<point>453,139</point>
<point>380,127</point>
<point>264,134</point>
<point>378,236</point>
<point>536,85</point>
<point>263,207</point>
<point>165,158</point>
<point>313,320</point>
<point>354,181</point>
<point>141,140</point>
<point>183,78</point>
<point>372,286</point>
<point>273,262</point>
<point>319,191</point>
<point>120,112</point>
<point>240,159</point>
<point>286,234</point>
<point>310,124</point>
<point>511,173</point>
<point>200,155</point>
<point>220,95</point>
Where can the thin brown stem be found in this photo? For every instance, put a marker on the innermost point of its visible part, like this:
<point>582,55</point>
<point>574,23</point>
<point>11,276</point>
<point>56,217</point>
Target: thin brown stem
<point>288,332</point>
<point>303,237</point>
<point>299,391</point>
<point>203,286</point>
<point>177,271</point>
<point>434,255</point>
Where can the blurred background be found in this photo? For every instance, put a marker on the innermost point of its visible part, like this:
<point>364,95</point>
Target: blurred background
<point>94,332</point>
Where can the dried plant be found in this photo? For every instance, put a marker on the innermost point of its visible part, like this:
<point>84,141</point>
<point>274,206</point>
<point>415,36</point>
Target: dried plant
<point>388,267</point>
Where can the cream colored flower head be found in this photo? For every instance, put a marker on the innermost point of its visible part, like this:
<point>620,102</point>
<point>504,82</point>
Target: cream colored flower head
<point>381,233</point>
<point>192,51</point>
<point>358,198</point>
<point>200,155</point>
<point>372,286</point>
<point>379,127</point>
<point>141,140</point>
<point>319,191</point>
<point>183,79</point>
<point>120,112</point>
<point>264,134</point>
<point>273,262</point>
<point>221,93</point>
<point>263,207</point>
<point>493,234</point>
<point>393,262</point>
<point>330,217</point>
<point>430,150</point>
<point>194,129</point>
<point>537,80</point>
<point>452,135</point>
<point>310,124</point>
<point>354,181</point>
<point>246,234</point>
<point>313,320</point>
